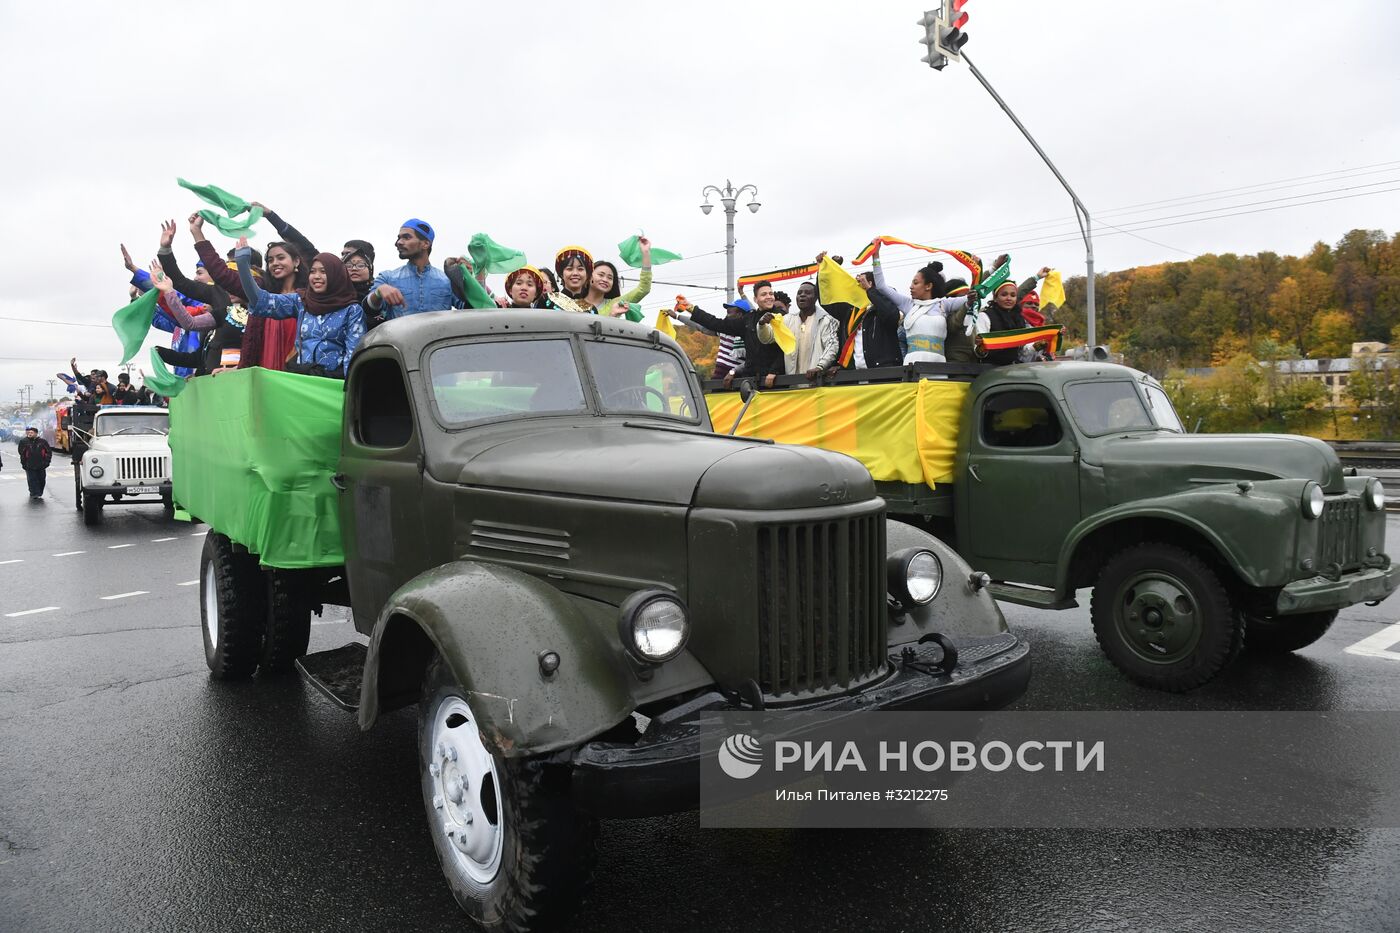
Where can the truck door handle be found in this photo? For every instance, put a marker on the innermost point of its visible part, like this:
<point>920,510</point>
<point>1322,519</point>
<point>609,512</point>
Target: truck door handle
<point>338,481</point>
<point>972,469</point>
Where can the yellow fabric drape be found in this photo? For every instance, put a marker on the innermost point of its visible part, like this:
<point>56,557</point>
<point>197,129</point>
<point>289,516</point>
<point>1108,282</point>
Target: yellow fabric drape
<point>1052,290</point>
<point>838,286</point>
<point>663,324</point>
<point>903,432</point>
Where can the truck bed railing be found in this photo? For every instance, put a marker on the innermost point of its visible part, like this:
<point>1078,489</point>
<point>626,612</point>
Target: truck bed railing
<point>910,372</point>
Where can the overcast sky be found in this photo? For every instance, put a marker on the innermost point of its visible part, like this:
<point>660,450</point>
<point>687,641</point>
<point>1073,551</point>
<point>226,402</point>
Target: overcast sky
<point>546,124</point>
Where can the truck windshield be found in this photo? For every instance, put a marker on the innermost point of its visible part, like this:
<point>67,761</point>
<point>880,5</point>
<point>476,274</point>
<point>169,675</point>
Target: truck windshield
<point>1162,410</point>
<point>142,423</point>
<point>642,379</point>
<point>497,378</point>
<point>1106,407</point>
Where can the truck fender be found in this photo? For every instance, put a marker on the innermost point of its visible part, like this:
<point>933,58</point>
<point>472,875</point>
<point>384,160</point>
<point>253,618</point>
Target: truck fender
<point>1203,517</point>
<point>490,624</point>
<point>959,609</point>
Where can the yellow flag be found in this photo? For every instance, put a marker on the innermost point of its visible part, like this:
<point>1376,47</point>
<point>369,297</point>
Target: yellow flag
<point>663,324</point>
<point>1052,290</point>
<point>782,335</point>
<point>838,286</point>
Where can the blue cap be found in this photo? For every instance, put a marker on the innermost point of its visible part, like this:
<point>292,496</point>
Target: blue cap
<point>32,427</point>
<point>420,227</point>
<point>741,305</point>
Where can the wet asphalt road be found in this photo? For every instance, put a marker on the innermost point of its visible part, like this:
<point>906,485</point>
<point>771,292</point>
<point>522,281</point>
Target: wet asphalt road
<point>136,794</point>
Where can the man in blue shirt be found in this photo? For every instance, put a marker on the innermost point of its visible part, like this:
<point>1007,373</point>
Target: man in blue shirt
<point>416,286</point>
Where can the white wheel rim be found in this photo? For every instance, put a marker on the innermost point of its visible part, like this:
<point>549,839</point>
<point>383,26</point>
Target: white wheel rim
<point>211,605</point>
<point>466,800</point>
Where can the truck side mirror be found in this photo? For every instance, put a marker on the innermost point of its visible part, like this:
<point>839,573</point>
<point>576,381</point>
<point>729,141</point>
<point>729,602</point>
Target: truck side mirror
<point>747,389</point>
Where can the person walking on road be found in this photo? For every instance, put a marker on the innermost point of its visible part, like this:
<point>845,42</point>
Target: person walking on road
<point>34,456</point>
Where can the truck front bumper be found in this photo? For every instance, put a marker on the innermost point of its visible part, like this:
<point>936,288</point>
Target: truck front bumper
<point>660,772</point>
<point>1320,594</point>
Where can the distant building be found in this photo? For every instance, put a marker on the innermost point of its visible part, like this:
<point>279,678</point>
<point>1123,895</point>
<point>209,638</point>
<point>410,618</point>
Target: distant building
<point>1334,373</point>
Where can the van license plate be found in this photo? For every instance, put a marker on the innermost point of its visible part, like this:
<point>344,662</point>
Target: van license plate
<point>140,490</point>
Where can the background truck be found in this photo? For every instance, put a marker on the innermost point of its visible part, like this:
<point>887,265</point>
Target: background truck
<point>1052,477</point>
<point>120,457</point>
<point>550,550</point>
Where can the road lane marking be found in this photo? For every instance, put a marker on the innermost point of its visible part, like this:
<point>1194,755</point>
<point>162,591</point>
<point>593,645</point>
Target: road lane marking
<point>30,612</point>
<point>198,534</point>
<point>16,561</point>
<point>69,553</point>
<point>125,595</point>
<point>113,547</point>
<point>1377,645</point>
<point>159,540</point>
<point>188,583</point>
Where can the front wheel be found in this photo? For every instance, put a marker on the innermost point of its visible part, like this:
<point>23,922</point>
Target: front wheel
<point>515,852</point>
<point>1287,633</point>
<point>1163,617</point>
<point>92,508</point>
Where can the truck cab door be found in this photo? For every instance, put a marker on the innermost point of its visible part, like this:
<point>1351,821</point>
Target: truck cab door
<point>1019,496</point>
<point>381,485</point>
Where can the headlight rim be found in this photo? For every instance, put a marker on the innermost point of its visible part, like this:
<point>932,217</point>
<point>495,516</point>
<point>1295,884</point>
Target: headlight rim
<point>96,472</point>
<point>897,575</point>
<point>1374,495</point>
<point>631,610</point>
<point>1306,502</point>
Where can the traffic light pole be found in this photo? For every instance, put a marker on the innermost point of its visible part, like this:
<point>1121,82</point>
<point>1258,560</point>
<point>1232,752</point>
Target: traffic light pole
<point>1081,213</point>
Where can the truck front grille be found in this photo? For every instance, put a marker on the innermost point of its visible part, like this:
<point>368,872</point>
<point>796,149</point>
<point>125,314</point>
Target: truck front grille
<point>137,470</point>
<point>1339,534</point>
<point>821,604</point>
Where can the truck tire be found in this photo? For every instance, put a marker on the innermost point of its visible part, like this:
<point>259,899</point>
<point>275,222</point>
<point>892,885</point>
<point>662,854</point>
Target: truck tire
<point>232,608</point>
<point>1163,617</point>
<point>1287,633</point>
<point>167,502</point>
<point>288,621</point>
<point>515,852</point>
<point>92,509</point>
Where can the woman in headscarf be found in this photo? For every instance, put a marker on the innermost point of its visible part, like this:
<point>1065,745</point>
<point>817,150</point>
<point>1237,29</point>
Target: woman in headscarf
<point>329,319</point>
<point>574,266</point>
<point>525,288</point>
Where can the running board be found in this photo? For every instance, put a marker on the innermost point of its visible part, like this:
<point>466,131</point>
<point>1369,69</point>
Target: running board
<point>337,673</point>
<point>1033,596</point>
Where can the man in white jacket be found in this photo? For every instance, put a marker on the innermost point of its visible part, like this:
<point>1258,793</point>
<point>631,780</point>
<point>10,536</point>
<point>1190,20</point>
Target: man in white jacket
<point>818,335</point>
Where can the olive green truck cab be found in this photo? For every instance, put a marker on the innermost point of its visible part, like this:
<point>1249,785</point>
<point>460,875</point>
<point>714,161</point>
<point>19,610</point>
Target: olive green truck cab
<point>1067,475</point>
<point>546,545</point>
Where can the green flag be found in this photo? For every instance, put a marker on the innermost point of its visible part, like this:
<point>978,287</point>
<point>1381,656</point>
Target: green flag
<point>133,323</point>
<point>491,257</point>
<point>163,380</point>
<point>988,285</point>
<point>630,250</point>
<point>230,204</point>
<point>231,227</point>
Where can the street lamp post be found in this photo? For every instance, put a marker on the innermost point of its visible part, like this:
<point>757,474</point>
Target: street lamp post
<point>728,197</point>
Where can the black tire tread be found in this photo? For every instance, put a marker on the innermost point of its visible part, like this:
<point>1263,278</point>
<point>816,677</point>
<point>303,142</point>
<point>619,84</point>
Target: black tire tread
<point>556,847</point>
<point>1213,655</point>
<point>92,509</point>
<point>239,591</point>
<point>1290,633</point>
<point>288,631</point>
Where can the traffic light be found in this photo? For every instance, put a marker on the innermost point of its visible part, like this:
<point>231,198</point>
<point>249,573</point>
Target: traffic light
<point>951,37</point>
<point>932,22</point>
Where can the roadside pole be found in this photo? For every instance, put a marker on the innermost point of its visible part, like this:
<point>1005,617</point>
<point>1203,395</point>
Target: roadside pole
<point>944,37</point>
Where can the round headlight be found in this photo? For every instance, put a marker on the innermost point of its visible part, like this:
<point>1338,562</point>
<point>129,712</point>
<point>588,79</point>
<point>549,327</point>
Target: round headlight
<point>915,576</point>
<point>1375,495</point>
<point>1313,501</point>
<point>95,472</point>
<point>654,626</point>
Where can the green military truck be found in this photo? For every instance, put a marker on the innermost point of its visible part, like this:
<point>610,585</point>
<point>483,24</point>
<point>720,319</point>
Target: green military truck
<point>1053,477</point>
<point>548,547</point>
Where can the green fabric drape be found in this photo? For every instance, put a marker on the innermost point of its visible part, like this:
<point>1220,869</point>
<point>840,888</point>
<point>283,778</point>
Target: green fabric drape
<point>230,204</point>
<point>233,227</point>
<point>493,258</point>
<point>161,379</point>
<point>630,250</point>
<point>133,323</point>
